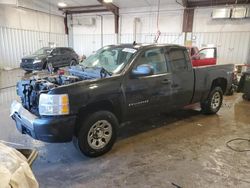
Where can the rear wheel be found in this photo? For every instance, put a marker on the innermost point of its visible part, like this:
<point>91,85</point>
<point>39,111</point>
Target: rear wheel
<point>214,101</point>
<point>97,134</point>
<point>245,97</point>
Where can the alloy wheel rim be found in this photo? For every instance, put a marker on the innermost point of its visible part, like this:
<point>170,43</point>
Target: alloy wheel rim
<point>216,100</point>
<point>99,134</point>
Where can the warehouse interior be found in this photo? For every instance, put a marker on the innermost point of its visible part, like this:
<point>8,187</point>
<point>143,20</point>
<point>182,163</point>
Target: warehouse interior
<point>178,149</point>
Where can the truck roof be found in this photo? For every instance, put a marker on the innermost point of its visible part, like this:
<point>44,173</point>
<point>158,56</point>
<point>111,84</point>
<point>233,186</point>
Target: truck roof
<point>145,45</point>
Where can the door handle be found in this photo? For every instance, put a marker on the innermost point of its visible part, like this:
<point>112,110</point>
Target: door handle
<point>166,81</point>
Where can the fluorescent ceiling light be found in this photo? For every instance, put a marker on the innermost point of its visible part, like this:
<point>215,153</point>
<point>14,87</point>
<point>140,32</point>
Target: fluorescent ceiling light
<point>107,1</point>
<point>62,4</point>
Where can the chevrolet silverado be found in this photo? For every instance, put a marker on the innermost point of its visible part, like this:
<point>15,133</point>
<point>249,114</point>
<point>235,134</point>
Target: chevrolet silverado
<point>117,84</point>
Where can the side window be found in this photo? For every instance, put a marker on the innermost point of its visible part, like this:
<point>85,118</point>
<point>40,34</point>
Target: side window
<point>155,58</point>
<point>64,50</point>
<point>70,50</point>
<point>207,53</point>
<point>55,51</point>
<point>177,59</point>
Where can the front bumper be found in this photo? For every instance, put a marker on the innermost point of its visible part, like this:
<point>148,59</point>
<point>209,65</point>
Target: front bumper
<point>31,66</point>
<point>47,129</point>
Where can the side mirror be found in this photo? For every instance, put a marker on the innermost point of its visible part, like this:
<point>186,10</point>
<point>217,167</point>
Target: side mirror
<point>142,70</point>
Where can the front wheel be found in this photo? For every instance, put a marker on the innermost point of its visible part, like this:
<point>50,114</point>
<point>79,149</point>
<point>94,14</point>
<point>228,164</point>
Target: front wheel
<point>214,101</point>
<point>97,134</point>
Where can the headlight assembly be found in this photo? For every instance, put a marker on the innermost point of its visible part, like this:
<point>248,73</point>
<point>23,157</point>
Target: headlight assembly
<point>52,105</point>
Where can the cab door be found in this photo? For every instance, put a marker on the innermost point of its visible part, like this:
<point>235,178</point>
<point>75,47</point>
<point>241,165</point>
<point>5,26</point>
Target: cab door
<point>66,57</point>
<point>151,94</point>
<point>55,57</point>
<point>206,56</point>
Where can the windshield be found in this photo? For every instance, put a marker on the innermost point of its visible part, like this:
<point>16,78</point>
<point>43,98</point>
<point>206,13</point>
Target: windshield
<point>112,59</point>
<point>43,51</point>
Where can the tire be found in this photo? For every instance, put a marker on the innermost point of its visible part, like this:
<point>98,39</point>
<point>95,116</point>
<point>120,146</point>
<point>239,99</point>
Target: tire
<point>97,134</point>
<point>72,63</point>
<point>214,101</point>
<point>245,97</point>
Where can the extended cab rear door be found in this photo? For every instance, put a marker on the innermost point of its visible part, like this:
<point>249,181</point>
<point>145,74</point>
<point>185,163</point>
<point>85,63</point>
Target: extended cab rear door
<point>182,85</point>
<point>206,56</point>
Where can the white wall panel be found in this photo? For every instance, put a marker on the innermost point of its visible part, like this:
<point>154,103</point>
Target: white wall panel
<point>13,17</point>
<point>87,44</point>
<point>204,23</point>
<point>16,43</point>
<point>233,47</point>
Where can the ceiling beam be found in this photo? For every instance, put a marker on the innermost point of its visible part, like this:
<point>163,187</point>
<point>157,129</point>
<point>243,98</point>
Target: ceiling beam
<point>103,7</point>
<point>207,3</point>
<point>115,10</point>
<point>85,11</point>
<point>185,3</point>
<point>110,6</point>
<point>188,19</point>
<point>81,7</point>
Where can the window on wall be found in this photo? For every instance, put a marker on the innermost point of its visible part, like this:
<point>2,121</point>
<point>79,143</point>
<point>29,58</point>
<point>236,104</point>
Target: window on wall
<point>177,59</point>
<point>155,58</point>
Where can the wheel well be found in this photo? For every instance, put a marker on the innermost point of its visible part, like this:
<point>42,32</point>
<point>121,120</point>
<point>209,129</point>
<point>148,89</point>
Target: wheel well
<point>91,108</point>
<point>221,82</point>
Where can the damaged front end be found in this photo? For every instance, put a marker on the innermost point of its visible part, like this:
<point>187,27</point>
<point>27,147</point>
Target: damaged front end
<point>30,90</point>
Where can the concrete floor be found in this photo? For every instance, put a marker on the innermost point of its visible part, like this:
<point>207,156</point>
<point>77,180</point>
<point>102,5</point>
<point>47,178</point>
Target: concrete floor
<point>185,149</point>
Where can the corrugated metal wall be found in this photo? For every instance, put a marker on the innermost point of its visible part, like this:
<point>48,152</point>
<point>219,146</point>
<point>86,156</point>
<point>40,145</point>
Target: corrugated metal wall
<point>15,43</point>
<point>233,47</point>
<point>87,44</point>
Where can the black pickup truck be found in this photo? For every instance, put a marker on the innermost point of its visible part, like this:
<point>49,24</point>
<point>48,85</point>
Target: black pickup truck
<point>117,84</point>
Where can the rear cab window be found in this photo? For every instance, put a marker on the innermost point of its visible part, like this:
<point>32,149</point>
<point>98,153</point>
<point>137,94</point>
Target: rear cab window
<point>178,59</point>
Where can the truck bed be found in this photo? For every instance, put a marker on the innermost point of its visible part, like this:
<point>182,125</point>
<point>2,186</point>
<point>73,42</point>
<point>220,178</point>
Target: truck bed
<point>204,76</point>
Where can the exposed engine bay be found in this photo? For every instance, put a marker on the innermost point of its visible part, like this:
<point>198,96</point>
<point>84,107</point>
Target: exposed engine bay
<point>30,89</point>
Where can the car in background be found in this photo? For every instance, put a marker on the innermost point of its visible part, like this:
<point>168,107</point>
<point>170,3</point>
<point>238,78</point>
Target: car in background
<point>49,58</point>
<point>205,56</point>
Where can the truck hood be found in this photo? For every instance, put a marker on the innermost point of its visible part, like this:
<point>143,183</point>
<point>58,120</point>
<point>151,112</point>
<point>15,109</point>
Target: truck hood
<point>88,73</point>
